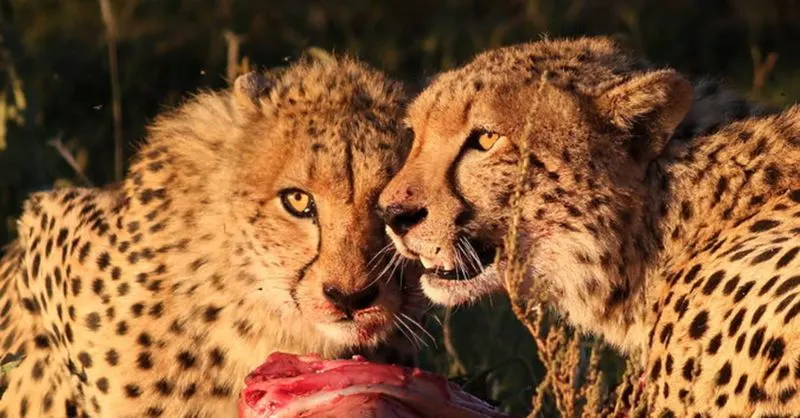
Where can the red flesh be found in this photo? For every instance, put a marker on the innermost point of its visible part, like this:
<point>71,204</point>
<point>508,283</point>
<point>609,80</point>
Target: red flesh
<point>307,386</point>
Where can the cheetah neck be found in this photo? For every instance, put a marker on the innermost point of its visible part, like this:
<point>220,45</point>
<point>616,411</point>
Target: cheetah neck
<point>611,282</point>
<point>598,275</point>
<point>704,187</point>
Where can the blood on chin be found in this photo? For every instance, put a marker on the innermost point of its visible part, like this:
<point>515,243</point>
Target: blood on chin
<point>356,333</point>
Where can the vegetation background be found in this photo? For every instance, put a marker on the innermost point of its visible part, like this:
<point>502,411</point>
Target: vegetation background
<point>80,79</point>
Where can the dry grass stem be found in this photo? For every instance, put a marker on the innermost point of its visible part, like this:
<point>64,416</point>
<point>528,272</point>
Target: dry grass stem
<point>234,44</point>
<point>116,94</point>
<point>456,365</point>
<point>70,159</point>
<point>761,69</point>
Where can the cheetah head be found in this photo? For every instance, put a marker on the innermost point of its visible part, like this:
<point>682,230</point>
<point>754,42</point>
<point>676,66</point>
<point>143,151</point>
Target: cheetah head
<point>585,119</point>
<point>318,143</point>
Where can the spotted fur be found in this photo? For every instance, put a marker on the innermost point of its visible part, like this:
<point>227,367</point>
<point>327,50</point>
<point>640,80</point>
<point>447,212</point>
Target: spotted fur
<point>157,297</point>
<point>668,225</point>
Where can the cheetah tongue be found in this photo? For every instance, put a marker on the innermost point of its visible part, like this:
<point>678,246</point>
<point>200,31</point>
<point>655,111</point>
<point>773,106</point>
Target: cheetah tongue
<point>290,386</point>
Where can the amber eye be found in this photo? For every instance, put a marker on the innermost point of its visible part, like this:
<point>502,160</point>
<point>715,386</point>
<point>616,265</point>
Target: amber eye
<point>483,140</point>
<point>298,203</point>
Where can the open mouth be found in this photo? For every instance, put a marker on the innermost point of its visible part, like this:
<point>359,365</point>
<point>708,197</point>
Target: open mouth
<point>472,257</point>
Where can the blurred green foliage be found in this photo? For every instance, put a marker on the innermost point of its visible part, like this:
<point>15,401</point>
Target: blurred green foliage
<point>55,85</point>
<point>488,352</point>
<point>54,64</point>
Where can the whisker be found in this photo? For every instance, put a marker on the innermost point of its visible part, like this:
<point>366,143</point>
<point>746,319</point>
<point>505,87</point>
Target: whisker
<point>417,341</point>
<point>385,267</point>
<point>375,258</point>
<point>404,332</point>
<point>377,255</point>
<point>459,261</point>
<point>434,317</point>
<point>388,266</point>
<point>397,262</point>
<point>455,253</point>
<point>418,325</point>
<point>465,246</point>
<point>410,330</point>
<point>419,338</point>
<point>472,252</point>
<point>402,271</point>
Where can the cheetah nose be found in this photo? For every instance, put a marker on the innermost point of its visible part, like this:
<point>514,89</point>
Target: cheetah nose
<point>349,303</point>
<point>402,218</point>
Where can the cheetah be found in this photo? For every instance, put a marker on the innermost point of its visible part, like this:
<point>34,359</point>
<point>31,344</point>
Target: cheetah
<point>245,226</point>
<point>669,231</point>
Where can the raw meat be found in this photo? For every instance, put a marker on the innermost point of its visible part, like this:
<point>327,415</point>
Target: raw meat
<point>307,386</point>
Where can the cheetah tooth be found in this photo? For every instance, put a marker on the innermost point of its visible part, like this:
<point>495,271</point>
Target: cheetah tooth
<point>427,263</point>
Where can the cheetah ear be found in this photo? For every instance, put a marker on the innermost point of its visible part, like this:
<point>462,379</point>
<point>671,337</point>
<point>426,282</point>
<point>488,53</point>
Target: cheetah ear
<point>649,106</point>
<point>248,89</point>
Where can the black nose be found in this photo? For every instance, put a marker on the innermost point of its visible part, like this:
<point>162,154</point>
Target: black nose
<point>402,218</point>
<point>350,303</point>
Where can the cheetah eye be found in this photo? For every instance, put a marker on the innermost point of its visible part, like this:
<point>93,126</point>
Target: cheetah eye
<point>483,140</point>
<point>298,203</point>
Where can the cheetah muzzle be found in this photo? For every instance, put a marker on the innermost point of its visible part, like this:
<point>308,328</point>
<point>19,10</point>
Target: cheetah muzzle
<point>461,271</point>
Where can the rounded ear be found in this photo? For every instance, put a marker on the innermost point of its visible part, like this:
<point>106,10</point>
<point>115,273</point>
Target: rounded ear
<point>650,106</point>
<point>248,89</point>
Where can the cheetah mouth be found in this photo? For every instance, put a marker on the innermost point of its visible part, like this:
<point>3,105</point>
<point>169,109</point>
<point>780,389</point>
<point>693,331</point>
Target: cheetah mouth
<point>362,331</point>
<point>473,257</point>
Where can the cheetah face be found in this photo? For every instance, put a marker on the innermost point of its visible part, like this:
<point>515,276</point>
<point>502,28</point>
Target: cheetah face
<point>453,215</point>
<point>308,182</point>
<point>322,264</point>
<point>582,177</point>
